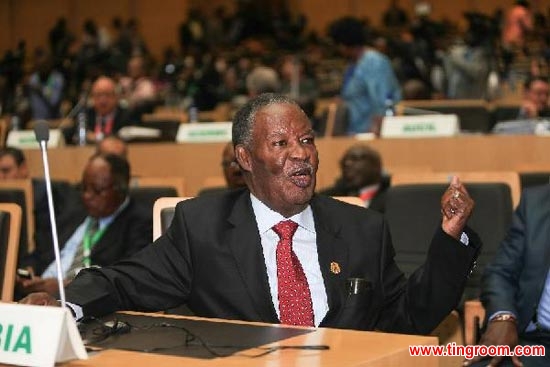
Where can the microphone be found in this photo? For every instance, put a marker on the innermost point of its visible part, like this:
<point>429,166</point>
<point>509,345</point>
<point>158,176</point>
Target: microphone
<point>42,133</point>
<point>79,104</point>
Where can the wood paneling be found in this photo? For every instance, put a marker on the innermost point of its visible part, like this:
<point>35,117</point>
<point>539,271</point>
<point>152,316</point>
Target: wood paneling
<point>159,22</point>
<point>33,19</point>
<point>195,162</point>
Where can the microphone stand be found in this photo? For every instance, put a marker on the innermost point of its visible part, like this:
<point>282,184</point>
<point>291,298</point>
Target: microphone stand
<point>43,147</point>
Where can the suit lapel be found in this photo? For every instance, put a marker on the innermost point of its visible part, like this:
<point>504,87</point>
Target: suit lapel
<point>333,258</point>
<point>110,236</point>
<point>244,241</point>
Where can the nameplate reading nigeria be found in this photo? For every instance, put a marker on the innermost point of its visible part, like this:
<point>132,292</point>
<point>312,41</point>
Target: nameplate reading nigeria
<point>206,132</point>
<point>38,335</point>
<point>26,139</point>
<point>419,126</point>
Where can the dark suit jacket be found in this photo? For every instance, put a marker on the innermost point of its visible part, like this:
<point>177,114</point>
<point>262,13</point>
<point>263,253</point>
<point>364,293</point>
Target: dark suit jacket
<point>211,258</point>
<point>129,232</point>
<point>515,279</point>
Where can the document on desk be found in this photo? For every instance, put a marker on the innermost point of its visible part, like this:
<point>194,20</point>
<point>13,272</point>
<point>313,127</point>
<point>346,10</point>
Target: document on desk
<point>184,337</point>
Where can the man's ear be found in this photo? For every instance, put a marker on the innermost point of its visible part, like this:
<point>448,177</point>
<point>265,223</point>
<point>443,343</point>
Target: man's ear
<point>242,155</point>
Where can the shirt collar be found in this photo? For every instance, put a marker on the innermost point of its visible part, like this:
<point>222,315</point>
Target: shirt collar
<point>266,218</point>
<point>370,188</point>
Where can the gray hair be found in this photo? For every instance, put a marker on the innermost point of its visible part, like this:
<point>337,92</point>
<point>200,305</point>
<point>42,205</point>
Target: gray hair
<point>243,122</point>
<point>262,79</point>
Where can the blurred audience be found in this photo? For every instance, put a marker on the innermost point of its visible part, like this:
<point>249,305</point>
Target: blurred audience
<point>394,16</point>
<point>297,83</point>
<point>369,81</point>
<point>137,90</point>
<point>45,88</point>
<point>467,64</point>
<point>262,79</point>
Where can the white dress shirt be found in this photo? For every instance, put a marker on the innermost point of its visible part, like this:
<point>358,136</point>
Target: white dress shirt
<point>305,247</point>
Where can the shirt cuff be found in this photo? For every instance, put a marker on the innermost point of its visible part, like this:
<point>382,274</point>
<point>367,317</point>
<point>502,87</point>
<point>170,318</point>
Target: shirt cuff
<point>76,310</point>
<point>464,239</point>
<point>501,313</point>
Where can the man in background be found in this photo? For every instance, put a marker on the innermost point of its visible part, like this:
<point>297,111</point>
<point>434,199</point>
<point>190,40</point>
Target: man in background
<point>109,227</point>
<point>12,164</point>
<point>535,98</point>
<point>369,84</point>
<point>105,117</point>
<point>231,172</point>
<point>516,285</point>
<point>361,168</point>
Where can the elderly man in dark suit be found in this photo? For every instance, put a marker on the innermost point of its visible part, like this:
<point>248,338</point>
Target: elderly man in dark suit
<point>108,227</point>
<point>275,252</point>
<point>105,117</point>
<point>516,285</point>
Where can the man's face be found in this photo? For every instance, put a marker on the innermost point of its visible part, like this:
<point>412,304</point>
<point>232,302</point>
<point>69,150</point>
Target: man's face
<point>99,194</point>
<point>10,170</point>
<point>104,96</point>
<point>538,93</point>
<point>282,159</point>
<point>231,170</point>
<point>359,168</point>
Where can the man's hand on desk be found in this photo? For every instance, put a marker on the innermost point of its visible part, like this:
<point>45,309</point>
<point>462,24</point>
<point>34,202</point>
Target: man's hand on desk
<point>40,299</point>
<point>37,284</point>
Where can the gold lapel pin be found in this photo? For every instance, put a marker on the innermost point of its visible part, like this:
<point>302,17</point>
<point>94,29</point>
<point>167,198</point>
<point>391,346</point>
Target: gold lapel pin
<point>334,268</point>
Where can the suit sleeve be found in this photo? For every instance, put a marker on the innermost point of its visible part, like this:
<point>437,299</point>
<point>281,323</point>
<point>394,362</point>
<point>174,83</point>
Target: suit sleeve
<point>500,280</point>
<point>419,304</point>
<point>156,278</point>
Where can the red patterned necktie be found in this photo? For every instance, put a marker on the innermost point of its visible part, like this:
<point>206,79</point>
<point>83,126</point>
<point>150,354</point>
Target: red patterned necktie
<point>295,305</point>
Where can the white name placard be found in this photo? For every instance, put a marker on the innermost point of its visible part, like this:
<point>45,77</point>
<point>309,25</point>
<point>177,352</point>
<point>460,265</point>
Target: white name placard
<point>204,132</point>
<point>25,139</point>
<point>38,335</point>
<point>419,126</point>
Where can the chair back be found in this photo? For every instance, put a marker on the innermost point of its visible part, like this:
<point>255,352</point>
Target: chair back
<point>10,229</point>
<point>530,179</point>
<point>333,121</point>
<point>213,181</point>
<point>21,193</point>
<point>3,131</point>
<point>413,213</point>
<point>511,178</point>
<point>163,213</point>
<point>176,183</point>
<point>168,130</point>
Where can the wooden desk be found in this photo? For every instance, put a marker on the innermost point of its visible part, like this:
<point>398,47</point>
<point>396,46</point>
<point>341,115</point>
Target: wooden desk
<point>347,348</point>
<point>195,162</point>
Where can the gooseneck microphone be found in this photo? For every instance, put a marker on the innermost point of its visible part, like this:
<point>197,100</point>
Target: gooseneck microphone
<point>42,133</point>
